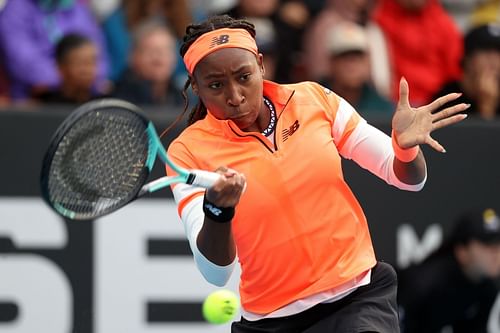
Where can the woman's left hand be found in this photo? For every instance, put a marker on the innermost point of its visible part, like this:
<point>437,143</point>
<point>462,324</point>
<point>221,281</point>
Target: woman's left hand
<point>413,126</point>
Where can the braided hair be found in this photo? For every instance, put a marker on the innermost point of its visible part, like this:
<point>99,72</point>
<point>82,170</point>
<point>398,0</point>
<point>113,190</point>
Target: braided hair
<point>193,32</point>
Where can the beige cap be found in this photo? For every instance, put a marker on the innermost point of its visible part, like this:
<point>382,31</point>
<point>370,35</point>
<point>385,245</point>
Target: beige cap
<point>346,37</point>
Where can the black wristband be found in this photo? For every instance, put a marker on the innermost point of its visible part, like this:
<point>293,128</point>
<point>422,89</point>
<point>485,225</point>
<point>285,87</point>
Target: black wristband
<point>217,214</point>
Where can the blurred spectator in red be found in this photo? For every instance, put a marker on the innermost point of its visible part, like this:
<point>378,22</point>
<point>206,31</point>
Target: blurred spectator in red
<point>349,70</point>
<point>29,32</point>
<point>119,25</point>
<point>148,79</point>
<point>425,45</point>
<point>480,83</point>
<point>76,57</point>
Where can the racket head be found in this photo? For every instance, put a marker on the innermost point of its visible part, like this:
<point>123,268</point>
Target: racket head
<point>97,160</point>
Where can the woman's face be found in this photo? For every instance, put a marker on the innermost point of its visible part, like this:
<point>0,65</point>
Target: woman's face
<point>482,260</point>
<point>229,82</point>
<point>79,67</point>
<point>154,58</point>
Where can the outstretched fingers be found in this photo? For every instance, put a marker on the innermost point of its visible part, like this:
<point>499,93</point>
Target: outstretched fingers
<point>434,144</point>
<point>449,111</point>
<point>448,121</point>
<point>442,101</point>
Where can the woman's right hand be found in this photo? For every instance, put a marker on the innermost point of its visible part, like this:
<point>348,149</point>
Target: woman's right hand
<point>226,191</point>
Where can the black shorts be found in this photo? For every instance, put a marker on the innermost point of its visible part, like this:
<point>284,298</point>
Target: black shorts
<point>371,308</point>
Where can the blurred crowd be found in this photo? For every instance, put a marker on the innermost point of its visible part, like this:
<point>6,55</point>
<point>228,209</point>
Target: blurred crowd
<point>72,51</point>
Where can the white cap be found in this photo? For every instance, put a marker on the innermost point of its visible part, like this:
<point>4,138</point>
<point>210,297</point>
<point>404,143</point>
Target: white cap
<point>345,37</point>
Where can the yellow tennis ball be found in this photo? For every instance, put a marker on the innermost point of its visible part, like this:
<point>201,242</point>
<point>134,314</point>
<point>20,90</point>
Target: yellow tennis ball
<point>220,306</point>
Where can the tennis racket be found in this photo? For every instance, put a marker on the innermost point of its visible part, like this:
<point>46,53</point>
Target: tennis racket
<point>99,160</point>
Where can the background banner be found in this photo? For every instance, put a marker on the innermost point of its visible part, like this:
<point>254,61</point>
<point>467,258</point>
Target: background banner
<point>133,272</point>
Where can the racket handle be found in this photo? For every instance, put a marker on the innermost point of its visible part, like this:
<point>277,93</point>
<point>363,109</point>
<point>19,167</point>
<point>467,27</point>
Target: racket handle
<point>202,178</point>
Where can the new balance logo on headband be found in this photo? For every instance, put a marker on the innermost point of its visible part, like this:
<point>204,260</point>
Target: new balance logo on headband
<point>218,40</point>
<point>287,132</point>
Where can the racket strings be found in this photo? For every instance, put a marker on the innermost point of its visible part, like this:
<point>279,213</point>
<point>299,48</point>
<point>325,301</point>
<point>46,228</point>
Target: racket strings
<point>99,163</point>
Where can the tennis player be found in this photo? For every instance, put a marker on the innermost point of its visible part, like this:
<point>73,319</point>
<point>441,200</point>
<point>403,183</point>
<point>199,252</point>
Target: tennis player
<point>282,206</point>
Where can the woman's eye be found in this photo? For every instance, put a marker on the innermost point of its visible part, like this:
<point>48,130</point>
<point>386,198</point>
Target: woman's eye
<point>245,77</point>
<point>215,85</point>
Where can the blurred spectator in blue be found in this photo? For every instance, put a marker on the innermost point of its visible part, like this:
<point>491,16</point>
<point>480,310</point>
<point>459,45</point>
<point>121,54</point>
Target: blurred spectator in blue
<point>29,32</point>
<point>348,73</point>
<point>119,25</point>
<point>480,83</point>
<point>77,63</point>
<point>454,289</point>
<point>148,79</point>
<point>425,45</point>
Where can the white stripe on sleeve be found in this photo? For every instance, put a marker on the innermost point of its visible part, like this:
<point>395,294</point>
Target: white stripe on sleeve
<point>344,114</point>
<point>192,217</point>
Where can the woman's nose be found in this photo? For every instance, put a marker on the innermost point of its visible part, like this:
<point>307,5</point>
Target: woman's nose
<point>234,96</point>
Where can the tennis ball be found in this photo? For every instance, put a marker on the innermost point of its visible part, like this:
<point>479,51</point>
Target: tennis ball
<point>220,306</point>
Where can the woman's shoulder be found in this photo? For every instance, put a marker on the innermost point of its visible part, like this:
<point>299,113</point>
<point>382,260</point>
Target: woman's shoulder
<point>308,88</point>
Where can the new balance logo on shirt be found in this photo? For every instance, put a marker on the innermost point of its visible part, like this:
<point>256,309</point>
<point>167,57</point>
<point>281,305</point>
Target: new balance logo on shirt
<point>287,132</point>
<point>222,39</point>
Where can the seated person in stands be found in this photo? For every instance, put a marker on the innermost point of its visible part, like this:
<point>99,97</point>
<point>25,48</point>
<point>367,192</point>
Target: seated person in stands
<point>454,289</point>
<point>480,83</point>
<point>77,64</point>
<point>148,79</point>
<point>349,70</point>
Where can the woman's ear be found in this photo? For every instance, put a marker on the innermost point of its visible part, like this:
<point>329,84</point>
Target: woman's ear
<point>260,62</point>
<point>194,85</point>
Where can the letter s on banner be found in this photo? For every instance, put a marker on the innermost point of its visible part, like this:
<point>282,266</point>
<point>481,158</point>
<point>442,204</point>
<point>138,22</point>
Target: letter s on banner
<point>39,289</point>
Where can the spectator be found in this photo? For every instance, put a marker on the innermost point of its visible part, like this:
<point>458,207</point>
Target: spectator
<point>455,286</point>
<point>425,45</point>
<point>29,32</point>
<point>119,25</point>
<point>289,19</point>
<point>76,58</point>
<point>480,83</point>
<point>148,79</point>
<point>316,56</point>
<point>349,71</point>
<point>335,11</point>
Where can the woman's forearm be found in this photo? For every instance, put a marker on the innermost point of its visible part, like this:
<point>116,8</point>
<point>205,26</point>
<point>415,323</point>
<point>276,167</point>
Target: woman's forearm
<point>215,241</point>
<point>412,172</point>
